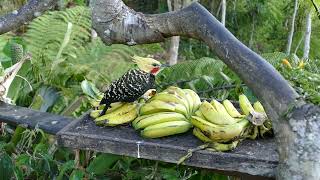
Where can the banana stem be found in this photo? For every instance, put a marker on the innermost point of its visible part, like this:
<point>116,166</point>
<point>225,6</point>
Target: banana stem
<point>191,151</point>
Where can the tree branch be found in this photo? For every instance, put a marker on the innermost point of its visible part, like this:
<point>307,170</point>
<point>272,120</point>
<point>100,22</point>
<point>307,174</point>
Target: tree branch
<point>116,23</point>
<point>295,123</point>
<point>26,13</point>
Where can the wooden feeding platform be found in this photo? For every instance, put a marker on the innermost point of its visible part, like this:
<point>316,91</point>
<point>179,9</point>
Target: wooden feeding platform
<point>256,158</point>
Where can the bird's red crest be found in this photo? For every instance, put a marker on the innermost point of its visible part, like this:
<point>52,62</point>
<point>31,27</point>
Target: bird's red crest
<point>155,70</point>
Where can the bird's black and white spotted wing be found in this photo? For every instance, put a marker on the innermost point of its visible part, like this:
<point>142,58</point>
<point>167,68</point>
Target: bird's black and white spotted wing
<point>129,87</point>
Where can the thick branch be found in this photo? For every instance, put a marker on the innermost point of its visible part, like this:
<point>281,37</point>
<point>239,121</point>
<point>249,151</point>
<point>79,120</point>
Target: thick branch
<point>298,144</point>
<point>26,13</point>
<point>297,134</point>
<point>116,23</point>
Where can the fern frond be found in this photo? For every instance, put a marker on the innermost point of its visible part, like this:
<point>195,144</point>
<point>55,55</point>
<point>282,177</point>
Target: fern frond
<point>46,33</point>
<point>74,54</point>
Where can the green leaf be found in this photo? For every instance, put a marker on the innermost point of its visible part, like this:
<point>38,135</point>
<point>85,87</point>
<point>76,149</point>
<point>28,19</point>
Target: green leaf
<point>87,89</point>
<point>102,163</point>
<point>249,94</point>
<point>18,173</point>
<point>17,135</point>
<point>50,96</point>
<point>23,161</point>
<point>169,174</point>
<point>77,175</point>
<point>17,83</point>
<point>6,166</point>
<point>69,165</point>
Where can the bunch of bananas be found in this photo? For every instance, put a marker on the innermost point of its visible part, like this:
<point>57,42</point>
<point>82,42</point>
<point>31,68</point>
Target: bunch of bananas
<point>167,113</point>
<point>221,125</point>
<point>257,115</point>
<point>118,113</point>
<point>175,110</point>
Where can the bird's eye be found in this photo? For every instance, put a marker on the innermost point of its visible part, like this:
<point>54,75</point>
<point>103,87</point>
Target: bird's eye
<point>154,64</point>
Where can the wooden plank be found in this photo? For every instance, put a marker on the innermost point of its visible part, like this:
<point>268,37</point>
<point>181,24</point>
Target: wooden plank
<point>258,158</point>
<point>29,118</point>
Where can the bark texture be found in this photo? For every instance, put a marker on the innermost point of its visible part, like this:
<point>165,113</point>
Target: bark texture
<point>26,13</point>
<point>295,123</point>
<point>290,36</point>
<point>299,145</point>
<point>196,22</point>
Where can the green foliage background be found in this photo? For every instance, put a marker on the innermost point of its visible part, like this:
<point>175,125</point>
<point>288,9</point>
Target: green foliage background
<point>62,60</point>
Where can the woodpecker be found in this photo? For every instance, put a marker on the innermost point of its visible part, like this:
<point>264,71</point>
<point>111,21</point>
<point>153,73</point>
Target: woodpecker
<point>133,84</point>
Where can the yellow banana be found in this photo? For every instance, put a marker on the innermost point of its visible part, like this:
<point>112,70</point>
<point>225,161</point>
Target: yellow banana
<point>140,118</point>
<point>219,107</point>
<point>114,106</point>
<point>182,110</point>
<point>94,103</point>
<point>214,146</point>
<point>233,112</point>
<point>126,108</point>
<point>220,133</point>
<point>245,104</point>
<point>156,106</point>
<point>258,107</point>
<point>158,118</point>
<point>175,90</point>
<point>199,134</point>
<point>195,99</point>
<point>166,129</point>
<point>170,96</point>
<point>212,115</point>
<point>121,119</point>
<point>199,114</point>
<point>181,93</point>
<point>95,113</point>
<point>189,100</point>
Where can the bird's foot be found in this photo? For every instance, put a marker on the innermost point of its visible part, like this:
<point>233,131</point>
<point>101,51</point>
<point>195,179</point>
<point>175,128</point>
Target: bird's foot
<point>103,112</point>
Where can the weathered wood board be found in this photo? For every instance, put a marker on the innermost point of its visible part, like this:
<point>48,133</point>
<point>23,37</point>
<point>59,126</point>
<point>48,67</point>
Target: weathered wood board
<point>15,115</point>
<point>258,158</point>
